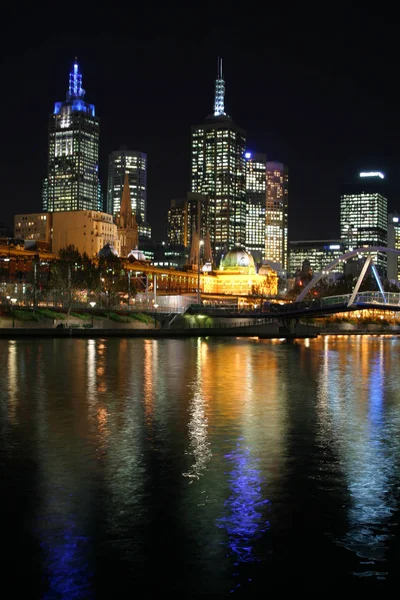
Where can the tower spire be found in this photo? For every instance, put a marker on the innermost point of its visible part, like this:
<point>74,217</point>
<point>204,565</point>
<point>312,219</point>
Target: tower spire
<point>219,108</point>
<point>126,206</point>
<point>75,89</point>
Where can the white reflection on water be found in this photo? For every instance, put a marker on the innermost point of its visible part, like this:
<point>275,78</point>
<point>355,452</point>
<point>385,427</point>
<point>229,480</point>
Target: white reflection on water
<point>352,400</point>
<point>199,444</point>
<point>12,376</point>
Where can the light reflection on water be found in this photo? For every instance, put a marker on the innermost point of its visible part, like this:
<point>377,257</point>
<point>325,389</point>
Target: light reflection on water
<point>243,518</point>
<point>365,430</point>
<point>143,456</point>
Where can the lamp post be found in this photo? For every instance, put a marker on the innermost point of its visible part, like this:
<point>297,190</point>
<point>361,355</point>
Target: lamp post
<point>198,272</point>
<point>155,311</point>
<point>13,300</point>
<point>129,290</point>
<point>92,304</point>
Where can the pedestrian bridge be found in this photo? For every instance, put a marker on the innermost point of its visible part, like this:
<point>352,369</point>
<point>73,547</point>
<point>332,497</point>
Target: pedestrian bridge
<point>389,301</point>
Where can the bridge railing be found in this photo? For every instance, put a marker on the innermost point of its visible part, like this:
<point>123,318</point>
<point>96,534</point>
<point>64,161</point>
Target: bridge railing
<point>391,298</point>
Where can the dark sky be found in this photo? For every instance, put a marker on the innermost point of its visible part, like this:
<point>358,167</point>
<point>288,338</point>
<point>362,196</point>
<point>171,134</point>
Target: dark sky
<point>316,90</point>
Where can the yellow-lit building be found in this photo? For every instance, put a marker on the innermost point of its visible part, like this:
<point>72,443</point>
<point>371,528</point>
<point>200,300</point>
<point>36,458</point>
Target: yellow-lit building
<point>87,230</point>
<point>237,276</point>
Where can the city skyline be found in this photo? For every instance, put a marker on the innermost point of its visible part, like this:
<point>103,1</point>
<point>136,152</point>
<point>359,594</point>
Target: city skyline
<point>321,113</point>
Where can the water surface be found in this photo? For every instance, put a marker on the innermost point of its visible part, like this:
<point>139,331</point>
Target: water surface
<point>199,467</point>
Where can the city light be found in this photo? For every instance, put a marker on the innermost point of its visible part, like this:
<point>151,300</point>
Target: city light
<point>247,155</point>
<point>372,174</point>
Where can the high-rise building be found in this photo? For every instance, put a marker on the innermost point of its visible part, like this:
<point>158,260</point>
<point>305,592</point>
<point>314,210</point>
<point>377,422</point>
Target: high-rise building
<point>218,171</point>
<point>72,180</point>
<point>276,214</point>
<point>255,204</point>
<point>133,164</point>
<point>393,241</point>
<point>363,215</point>
<point>186,215</point>
<point>319,253</point>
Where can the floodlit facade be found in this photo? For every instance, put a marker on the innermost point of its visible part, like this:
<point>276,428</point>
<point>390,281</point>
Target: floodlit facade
<point>255,204</point>
<point>134,164</point>
<point>393,261</point>
<point>319,253</point>
<point>72,181</point>
<point>218,171</point>
<point>276,214</point>
<point>364,216</point>
<point>237,276</point>
<point>87,230</point>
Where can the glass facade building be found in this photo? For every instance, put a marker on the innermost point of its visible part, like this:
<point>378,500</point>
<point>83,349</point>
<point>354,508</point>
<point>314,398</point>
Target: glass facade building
<point>276,214</point>
<point>219,171</point>
<point>255,204</point>
<point>319,253</point>
<point>72,180</point>
<point>364,216</point>
<point>135,165</point>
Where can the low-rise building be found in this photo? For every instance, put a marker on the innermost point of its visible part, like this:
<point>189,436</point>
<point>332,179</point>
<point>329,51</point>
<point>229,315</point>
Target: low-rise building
<point>87,230</point>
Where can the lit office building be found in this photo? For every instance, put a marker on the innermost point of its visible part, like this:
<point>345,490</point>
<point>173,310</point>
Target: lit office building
<point>186,215</point>
<point>363,215</point>
<point>218,171</point>
<point>393,261</point>
<point>319,253</point>
<point>276,214</point>
<point>135,165</point>
<point>72,180</point>
<point>256,202</point>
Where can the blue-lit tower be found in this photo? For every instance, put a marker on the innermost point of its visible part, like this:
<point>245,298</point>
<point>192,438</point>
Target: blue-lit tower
<point>72,182</point>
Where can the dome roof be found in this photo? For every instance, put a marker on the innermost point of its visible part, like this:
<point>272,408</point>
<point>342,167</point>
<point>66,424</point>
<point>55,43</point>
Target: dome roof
<point>237,258</point>
<point>265,270</point>
<point>107,251</point>
<point>136,255</point>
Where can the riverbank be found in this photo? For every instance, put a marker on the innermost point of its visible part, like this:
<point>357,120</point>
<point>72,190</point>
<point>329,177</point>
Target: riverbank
<point>25,332</point>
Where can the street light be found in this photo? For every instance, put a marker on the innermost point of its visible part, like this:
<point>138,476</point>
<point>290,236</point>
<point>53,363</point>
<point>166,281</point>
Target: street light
<point>92,304</point>
<point>198,272</point>
<point>13,300</point>
<point>129,289</point>
<point>155,311</point>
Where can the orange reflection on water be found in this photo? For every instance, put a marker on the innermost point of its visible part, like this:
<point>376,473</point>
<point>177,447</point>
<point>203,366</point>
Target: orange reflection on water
<point>148,385</point>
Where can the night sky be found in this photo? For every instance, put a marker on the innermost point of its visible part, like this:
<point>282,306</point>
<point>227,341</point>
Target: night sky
<point>317,91</point>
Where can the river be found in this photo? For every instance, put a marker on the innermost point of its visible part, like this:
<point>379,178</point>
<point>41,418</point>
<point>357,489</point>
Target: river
<point>198,467</point>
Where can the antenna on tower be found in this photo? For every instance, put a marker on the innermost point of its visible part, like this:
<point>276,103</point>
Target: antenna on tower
<point>219,98</point>
<point>75,89</point>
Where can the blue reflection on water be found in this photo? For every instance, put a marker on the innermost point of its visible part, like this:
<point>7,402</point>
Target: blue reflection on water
<point>68,570</point>
<point>243,520</point>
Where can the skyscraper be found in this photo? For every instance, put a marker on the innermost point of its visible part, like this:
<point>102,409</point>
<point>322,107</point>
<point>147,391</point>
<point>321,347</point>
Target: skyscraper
<point>276,214</point>
<point>134,164</point>
<point>72,181</point>
<point>393,261</point>
<point>218,171</point>
<point>186,215</point>
<point>363,214</point>
<point>255,201</point>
